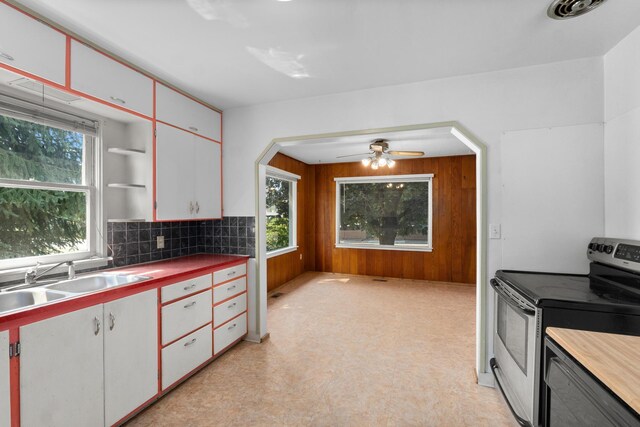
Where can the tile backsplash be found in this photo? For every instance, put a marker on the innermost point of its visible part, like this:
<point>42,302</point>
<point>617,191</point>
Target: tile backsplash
<point>136,242</point>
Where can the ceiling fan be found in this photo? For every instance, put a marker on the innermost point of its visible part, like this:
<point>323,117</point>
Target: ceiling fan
<point>380,154</point>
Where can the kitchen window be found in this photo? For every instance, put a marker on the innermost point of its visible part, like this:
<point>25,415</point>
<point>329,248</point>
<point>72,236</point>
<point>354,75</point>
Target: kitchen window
<point>48,199</point>
<point>388,212</point>
<point>281,214</point>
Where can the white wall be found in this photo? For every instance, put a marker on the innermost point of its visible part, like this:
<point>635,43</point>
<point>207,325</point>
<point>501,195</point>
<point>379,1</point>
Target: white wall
<point>547,96</point>
<point>622,138</point>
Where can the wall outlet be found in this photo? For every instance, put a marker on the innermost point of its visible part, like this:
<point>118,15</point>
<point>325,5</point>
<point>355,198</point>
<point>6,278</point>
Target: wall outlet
<point>494,231</point>
<point>160,242</point>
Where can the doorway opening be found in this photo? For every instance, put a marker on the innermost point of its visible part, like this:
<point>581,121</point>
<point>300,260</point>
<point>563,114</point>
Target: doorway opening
<point>336,151</point>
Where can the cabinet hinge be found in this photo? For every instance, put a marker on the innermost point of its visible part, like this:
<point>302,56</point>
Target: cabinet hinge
<point>155,205</point>
<point>14,349</point>
<point>155,132</point>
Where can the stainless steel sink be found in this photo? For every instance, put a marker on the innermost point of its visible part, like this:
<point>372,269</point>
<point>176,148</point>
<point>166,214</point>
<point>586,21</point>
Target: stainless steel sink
<point>15,300</point>
<point>96,282</point>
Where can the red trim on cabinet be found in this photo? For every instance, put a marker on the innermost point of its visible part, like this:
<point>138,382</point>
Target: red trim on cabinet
<point>14,380</point>
<point>33,17</point>
<point>230,320</point>
<point>190,97</point>
<point>227,299</point>
<point>67,64</point>
<point>188,131</point>
<point>187,334</point>
<point>159,341</point>
<point>221,179</point>
<point>227,281</point>
<point>154,150</point>
<point>201,291</point>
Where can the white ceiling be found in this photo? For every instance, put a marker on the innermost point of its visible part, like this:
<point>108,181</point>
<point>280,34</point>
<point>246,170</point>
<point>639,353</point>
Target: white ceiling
<point>435,142</point>
<point>242,52</point>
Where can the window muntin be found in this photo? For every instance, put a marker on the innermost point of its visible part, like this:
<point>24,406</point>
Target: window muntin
<point>47,189</point>
<point>392,212</point>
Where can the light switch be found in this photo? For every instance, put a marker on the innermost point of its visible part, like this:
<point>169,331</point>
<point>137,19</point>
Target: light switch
<point>160,242</point>
<point>494,231</point>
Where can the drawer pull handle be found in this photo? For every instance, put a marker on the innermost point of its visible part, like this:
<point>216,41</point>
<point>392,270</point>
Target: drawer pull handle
<point>191,304</point>
<point>112,321</point>
<point>197,207</point>
<point>119,100</point>
<point>231,287</point>
<point>231,273</point>
<point>7,56</point>
<point>191,207</point>
<point>231,327</point>
<point>96,325</point>
<point>193,128</point>
<point>187,344</point>
<point>232,305</point>
<point>186,288</point>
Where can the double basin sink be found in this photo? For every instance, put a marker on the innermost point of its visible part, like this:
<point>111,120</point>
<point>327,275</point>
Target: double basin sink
<point>18,299</point>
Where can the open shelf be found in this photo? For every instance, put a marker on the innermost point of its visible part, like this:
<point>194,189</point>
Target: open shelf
<point>125,151</point>
<point>125,185</point>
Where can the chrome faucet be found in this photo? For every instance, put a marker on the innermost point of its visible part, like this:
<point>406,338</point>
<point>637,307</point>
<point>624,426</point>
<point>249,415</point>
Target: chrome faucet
<point>32,275</point>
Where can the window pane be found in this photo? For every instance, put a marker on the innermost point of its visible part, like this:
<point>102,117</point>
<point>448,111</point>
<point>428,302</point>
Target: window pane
<point>41,222</point>
<point>278,209</point>
<point>384,213</point>
<point>31,151</point>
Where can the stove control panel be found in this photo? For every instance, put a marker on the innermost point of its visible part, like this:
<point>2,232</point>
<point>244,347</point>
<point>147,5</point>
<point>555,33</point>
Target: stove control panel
<point>616,252</point>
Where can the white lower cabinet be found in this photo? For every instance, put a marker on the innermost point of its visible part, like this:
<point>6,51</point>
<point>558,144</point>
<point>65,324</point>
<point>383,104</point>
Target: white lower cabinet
<point>61,370</point>
<point>226,334</point>
<point>183,356</point>
<point>90,367</point>
<point>5,391</point>
<point>130,354</point>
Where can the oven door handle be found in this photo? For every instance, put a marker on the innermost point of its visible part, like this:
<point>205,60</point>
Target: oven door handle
<point>498,288</point>
<point>521,421</point>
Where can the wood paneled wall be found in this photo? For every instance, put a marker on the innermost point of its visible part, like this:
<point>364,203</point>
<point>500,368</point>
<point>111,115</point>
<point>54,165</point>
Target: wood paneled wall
<point>454,224</point>
<point>453,258</point>
<point>282,268</point>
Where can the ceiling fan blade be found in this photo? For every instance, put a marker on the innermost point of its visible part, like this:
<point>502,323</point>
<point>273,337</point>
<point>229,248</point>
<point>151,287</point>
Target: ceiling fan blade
<point>353,155</point>
<point>406,153</point>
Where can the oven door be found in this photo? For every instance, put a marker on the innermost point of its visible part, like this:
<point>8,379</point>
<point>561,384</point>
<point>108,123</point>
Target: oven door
<point>516,346</point>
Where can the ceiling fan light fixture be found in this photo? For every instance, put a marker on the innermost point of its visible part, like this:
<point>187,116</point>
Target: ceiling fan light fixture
<point>366,162</point>
<point>391,163</point>
<point>374,164</point>
<point>382,162</point>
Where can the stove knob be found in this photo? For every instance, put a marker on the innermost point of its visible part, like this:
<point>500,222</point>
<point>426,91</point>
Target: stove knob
<point>600,247</point>
<point>593,246</point>
<point>608,249</point>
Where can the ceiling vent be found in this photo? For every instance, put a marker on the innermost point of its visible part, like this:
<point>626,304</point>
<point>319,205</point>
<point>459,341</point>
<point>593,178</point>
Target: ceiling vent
<point>41,89</point>
<point>565,9</point>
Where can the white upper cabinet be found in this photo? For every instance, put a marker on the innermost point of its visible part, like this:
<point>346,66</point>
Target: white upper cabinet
<point>178,110</point>
<point>188,180</point>
<point>102,77</point>
<point>31,46</point>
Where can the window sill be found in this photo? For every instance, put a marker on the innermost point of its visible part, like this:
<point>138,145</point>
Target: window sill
<point>281,251</point>
<point>80,265</point>
<point>386,247</point>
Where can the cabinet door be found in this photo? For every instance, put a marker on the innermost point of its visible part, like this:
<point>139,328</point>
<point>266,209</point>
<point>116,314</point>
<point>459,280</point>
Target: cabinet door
<point>207,179</point>
<point>130,354</point>
<point>98,75</point>
<point>61,370</point>
<point>174,173</point>
<point>176,109</point>
<point>31,46</point>
<point>5,393</point>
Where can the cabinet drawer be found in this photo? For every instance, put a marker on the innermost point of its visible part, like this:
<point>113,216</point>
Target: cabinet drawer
<point>229,273</point>
<point>185,315</point>
<point>185,287</point>
<point>98,75</point>
<point>31,46</point>
<point>229,289</point>
<point>229,309</point>
<point>185,355</point>
<point>174,108</point>
<point>226,334</point>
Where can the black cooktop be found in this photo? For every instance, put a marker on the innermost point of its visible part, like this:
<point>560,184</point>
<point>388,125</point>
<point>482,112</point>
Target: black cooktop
<point>604,288</point>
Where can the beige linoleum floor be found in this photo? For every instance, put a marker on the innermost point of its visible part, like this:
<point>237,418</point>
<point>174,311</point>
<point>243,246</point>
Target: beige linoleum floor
<point>346,351</point>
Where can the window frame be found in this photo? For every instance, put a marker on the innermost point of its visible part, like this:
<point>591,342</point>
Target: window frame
<point>91,171</point>
<point>386,179</point>
<point>272,172</point>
